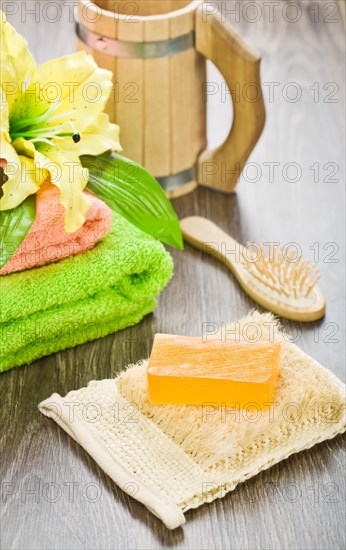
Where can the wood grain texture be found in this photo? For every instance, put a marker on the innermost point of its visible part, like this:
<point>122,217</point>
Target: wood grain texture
<point>216,40</point>
<point>162,119</point>
<point>298,504</point>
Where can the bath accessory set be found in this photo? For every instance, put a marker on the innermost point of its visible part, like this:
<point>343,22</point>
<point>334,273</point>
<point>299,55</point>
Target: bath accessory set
<point>80,257</point>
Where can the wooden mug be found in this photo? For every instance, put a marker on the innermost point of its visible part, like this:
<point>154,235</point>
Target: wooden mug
<point>157,51</point>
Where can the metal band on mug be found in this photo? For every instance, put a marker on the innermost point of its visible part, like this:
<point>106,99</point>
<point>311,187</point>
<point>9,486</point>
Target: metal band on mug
<point>177,180</point>
<point>144,50</point>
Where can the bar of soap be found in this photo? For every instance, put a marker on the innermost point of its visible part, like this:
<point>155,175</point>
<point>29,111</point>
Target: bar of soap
<point>186,370</point>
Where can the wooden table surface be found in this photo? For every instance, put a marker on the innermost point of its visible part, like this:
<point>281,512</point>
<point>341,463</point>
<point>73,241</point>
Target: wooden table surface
<point>299,503</point>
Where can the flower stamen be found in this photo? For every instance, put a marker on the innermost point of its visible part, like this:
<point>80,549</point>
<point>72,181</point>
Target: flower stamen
<point>44,133</point>
<point>27,122</point>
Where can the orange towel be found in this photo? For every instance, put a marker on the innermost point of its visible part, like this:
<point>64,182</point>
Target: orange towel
<point>47,242</point>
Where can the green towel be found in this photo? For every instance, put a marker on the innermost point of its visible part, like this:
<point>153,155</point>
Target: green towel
<point>84,297</point>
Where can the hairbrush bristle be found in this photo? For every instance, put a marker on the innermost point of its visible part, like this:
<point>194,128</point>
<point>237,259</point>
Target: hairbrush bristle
<point>281,272</point>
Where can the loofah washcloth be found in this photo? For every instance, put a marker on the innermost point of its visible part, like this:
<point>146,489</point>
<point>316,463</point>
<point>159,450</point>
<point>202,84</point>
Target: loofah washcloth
<point>173,458</point>
<point>108,288</point>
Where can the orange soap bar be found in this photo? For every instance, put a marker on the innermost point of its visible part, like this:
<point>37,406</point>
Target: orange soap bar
<point>186,370</point>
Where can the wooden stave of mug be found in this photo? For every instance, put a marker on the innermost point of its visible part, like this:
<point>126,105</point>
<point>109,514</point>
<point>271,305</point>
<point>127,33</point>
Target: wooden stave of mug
<point>158,102</point>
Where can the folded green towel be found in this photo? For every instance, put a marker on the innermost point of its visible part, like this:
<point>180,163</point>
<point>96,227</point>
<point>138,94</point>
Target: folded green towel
<point>84,297</point>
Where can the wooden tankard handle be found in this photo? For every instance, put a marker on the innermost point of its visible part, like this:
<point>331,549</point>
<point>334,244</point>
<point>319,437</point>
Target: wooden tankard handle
<point>220,168</point>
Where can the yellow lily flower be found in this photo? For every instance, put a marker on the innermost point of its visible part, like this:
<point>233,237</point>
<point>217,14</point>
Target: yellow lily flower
<point>50,116</point>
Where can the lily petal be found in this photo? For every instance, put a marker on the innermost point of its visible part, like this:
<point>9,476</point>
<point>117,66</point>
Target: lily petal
<point>75,84</point>
<point>16,62</point>
<point>4,121</point>
<point>67,173</point>
<point>24,147</point>
<point>24,178</point>
<point>100,136</point>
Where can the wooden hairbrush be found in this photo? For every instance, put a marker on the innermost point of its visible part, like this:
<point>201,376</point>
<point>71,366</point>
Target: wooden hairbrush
<point>280,282</point>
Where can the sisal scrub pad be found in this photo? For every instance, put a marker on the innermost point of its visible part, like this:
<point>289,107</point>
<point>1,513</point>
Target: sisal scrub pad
<point>176,457</point>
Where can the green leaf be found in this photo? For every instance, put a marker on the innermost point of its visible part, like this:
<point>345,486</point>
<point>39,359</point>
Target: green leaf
<point>131,191</point>
<point>14,226</point>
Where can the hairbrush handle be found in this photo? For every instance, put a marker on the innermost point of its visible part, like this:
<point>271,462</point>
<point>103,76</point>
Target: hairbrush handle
<point>208,237</point>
